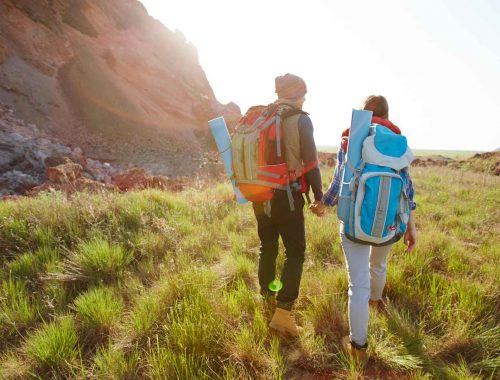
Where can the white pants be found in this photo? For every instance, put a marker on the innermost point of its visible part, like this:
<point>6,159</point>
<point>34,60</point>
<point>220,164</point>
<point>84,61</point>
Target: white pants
<point>366,267</point>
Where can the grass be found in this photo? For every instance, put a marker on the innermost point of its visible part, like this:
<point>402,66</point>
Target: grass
<point>98,309</point>
<point>98,260</point>
<point>452,154</point>
<point>156,285</point>
<point>54,345</point>
<point>18,308</point>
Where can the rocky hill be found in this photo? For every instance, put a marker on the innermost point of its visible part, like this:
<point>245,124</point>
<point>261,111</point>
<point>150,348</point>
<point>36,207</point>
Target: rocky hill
<point>488,162</point>
<point>104,76</point>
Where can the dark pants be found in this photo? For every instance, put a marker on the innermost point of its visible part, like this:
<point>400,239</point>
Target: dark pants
<point>290,226</point>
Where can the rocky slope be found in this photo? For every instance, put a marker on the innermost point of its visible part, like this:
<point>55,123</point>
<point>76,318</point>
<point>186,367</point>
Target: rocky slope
<point>25,154</point>
<point>105,76</point>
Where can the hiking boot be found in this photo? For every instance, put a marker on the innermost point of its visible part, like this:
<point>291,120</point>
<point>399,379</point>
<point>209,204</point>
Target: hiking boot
<point>358,353</point>
<point>284,322</point>
<point>375,305</point>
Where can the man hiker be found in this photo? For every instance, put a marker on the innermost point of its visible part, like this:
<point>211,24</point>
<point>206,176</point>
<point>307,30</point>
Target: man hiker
<point>283,216</point>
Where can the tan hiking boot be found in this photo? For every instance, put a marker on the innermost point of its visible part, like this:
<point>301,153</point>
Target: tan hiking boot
<point>358,354</point>
<point>378,306</point>
<point>375,305</point>
<point>284,322</point>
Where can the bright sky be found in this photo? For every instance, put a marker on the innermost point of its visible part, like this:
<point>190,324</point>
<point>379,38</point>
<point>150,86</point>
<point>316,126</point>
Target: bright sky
<point>436,61</point>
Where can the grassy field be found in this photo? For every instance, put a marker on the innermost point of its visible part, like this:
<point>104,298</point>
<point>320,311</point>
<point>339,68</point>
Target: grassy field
<point>155,285</point>
<point>452,154</point>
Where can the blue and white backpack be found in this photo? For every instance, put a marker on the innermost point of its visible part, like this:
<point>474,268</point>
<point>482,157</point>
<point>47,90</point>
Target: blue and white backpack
<point>379,208</point>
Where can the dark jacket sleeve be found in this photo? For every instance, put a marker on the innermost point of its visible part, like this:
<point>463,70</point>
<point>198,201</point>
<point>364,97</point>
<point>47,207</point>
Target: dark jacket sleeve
<point>309,156</point>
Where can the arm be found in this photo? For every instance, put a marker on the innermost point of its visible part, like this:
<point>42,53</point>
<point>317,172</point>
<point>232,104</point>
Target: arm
<point>332,194</point>
<point>410,237</point>
<point>410,192</point>
<point>309,156</point>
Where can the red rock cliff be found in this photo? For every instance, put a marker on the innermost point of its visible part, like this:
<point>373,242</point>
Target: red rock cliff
<point>104,75</point>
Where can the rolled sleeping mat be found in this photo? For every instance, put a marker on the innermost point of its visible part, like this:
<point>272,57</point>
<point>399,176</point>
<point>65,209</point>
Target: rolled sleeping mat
<point>360,128</point>
<point>222,138</point>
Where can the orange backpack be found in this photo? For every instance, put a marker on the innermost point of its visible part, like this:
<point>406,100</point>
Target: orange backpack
<point>258,149</point>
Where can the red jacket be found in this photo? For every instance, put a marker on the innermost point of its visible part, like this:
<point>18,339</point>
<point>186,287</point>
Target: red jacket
<point>375,120</point>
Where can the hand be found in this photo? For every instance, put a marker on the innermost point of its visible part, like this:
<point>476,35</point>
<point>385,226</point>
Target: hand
<point>317,208</point>
<point>410,236</point>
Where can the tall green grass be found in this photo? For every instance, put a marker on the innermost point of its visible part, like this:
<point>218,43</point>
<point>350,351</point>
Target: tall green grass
<point>54,345</point>
<point>156,285</point>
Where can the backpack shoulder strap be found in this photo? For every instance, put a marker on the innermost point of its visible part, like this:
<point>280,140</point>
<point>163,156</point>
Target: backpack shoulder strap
<point>288,112</point>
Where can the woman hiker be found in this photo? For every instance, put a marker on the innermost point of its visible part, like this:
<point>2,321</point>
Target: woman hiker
<point>366,264</point>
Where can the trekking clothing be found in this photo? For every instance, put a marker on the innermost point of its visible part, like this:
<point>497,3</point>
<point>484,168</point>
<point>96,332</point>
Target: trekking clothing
<point>300,147</point>
<point>367,271</point>
<point>310,157</point>
<point>375,120</point>
<point>290,226</point>
<point>276,217</point>
<point>366,264</point>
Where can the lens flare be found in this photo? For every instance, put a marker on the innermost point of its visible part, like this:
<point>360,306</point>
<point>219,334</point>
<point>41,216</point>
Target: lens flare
<point>275,285</point>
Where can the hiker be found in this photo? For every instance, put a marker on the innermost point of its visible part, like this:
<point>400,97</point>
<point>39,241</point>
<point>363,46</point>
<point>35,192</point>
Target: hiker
<point>279,210</point>
<point>366,264</point>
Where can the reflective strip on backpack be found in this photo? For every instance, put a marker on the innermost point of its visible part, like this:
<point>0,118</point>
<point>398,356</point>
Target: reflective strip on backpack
<point>278,136</point>
<point>384,191</point>
<point>259,120</point>
<point>358,232</point>
<point>270,174</point>
<point>261,183</point>
<point>404,208</point>
<point>266,124</point>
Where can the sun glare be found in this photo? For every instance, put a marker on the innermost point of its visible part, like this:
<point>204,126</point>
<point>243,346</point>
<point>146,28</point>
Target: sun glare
<point>346,51</point>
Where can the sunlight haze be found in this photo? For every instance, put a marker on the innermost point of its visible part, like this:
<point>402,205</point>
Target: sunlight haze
<point>436,62</point>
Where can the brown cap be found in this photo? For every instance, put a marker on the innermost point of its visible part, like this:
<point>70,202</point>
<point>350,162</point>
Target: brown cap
<point>290,86</point>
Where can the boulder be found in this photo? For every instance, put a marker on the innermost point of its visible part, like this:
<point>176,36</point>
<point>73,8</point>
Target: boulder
<point>15,182</point>
<point>68,178</point>
<point>100,171</point>
<point>134,178</point>
<point>65,173</point>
